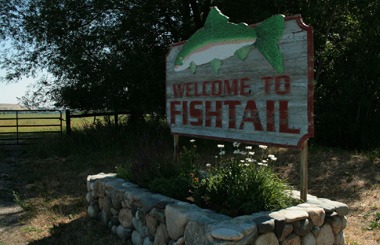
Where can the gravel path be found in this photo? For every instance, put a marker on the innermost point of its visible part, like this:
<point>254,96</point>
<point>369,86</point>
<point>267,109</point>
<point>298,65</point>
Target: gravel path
<point>10,212</point>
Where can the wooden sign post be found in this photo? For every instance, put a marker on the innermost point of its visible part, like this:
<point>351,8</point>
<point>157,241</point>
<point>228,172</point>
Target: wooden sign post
<point>229,82</point>
<point>304,171</point>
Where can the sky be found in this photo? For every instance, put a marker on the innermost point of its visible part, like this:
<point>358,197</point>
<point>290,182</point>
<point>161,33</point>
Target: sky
<point>9,92</point>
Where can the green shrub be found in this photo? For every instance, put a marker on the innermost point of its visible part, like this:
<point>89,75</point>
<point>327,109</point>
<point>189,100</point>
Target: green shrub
<point>235,185</point>
<point>236,189</point>
<point>176,186</point>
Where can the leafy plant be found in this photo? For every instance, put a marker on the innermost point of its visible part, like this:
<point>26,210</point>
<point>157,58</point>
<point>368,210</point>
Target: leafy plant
<point>375,223</point>
<point>23,204</point>
<point>234,185</point>
<point>242,185</point>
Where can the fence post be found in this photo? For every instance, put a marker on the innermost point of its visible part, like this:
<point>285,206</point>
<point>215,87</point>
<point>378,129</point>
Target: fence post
<point>68,122</point>
<point>116,119</point>
<point>17,132</point>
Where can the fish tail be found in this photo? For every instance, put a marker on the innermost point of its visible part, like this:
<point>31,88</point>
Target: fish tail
<point>269,34</point>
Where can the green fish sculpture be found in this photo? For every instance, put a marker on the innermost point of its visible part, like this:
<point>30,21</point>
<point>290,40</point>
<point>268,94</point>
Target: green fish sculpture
<point>220,39</point>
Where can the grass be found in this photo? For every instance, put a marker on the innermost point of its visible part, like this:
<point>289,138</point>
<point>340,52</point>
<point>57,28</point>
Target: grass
<point>33,124</point>
<point>375,223</point>
<point>52,181</point>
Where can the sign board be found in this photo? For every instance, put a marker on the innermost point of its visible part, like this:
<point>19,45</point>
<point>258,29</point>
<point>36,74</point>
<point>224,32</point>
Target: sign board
<point>232,89</point>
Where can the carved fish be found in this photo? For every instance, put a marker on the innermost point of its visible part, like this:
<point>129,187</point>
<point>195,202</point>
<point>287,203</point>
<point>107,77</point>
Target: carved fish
<point>220,39</point>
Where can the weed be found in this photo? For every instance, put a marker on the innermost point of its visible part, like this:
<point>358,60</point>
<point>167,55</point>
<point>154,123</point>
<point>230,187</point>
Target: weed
<point>375,223</point>
<point>32,229</point>
<point>373,154</point>
<point>23,204</point>
<point>349,242</point>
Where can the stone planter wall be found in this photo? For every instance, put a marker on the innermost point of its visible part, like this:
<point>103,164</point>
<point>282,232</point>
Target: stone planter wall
<point>142,217</point>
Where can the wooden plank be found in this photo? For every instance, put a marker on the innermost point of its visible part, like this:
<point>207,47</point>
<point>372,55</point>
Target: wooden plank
<point>213,105</point>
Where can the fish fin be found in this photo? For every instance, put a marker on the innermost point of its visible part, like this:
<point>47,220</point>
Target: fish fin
<point>193,67</point>
<point>269,34</point>
<point>243,52</point>
<point>215,17</point>
<point>216,64</point>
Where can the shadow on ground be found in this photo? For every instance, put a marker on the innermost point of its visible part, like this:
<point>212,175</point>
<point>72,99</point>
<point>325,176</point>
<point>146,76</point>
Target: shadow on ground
<point>80,231</point>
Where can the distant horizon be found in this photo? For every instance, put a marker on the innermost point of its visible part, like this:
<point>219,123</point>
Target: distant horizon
<point>11,91</point>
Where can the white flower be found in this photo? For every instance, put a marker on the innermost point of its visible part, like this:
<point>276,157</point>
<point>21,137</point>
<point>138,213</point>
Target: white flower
<point>221,153</point>
<point>272,157</point>
<point>192,140</point>
<point>208,165</point>
<point>264,161</point>
<point>251,153</point>
<point>246,164</point>
<point>221,146</point>
<point>249,159</point>
<point>236,144</point>
<point>248,147</point>
<point>236,152</point>
<point>242,161</point>
<point>263,147</point>
<point>262,164</point>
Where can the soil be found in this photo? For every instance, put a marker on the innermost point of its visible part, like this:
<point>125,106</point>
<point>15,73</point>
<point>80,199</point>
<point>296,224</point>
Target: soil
<point>10,211</point>
<point>344,176</point>
<point>339,175</point>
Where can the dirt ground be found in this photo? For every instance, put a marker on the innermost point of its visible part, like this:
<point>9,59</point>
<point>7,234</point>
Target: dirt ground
<point>10,211</point>
<point>339,175</point>
<point>347,177</point>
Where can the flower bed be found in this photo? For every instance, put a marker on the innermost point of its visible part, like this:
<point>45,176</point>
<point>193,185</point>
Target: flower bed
<point>137,214</point>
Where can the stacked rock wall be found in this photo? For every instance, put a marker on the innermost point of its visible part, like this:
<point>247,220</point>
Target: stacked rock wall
<point>142,217</point>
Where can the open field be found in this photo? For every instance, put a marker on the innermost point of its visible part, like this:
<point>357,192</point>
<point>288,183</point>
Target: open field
<point>31,125</point>
<point>4,106</point>
<point>50,186</point>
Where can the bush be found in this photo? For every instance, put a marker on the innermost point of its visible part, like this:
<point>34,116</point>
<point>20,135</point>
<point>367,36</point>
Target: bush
<point>237,189</point>
<point>241,185</point>
<point>236,185</point>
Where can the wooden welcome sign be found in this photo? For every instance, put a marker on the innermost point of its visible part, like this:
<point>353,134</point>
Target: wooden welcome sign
<point>243,83</point>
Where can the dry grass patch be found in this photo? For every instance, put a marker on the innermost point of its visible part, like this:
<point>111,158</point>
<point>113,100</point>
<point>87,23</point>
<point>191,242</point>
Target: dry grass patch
<point>343,176</point>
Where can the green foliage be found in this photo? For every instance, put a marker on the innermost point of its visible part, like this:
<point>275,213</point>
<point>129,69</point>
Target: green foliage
<point>235,185</point>
<point>102,54</point>
<point>375,223</point>
<point>234,188</point>
<point>175,186</point>
<point>22,203</point>
<point>143,154</point>
<point>154,167</point>
<point>108,54</point>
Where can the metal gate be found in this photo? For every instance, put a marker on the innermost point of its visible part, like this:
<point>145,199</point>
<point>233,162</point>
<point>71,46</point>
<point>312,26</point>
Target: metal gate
<point>25,126</point>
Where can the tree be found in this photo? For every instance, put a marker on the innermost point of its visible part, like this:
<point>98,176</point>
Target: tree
<point>109,54</point>
<point>103,54</point>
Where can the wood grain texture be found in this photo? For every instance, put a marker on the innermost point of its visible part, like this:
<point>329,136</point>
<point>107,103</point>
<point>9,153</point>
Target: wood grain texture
<point>206,86</point>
